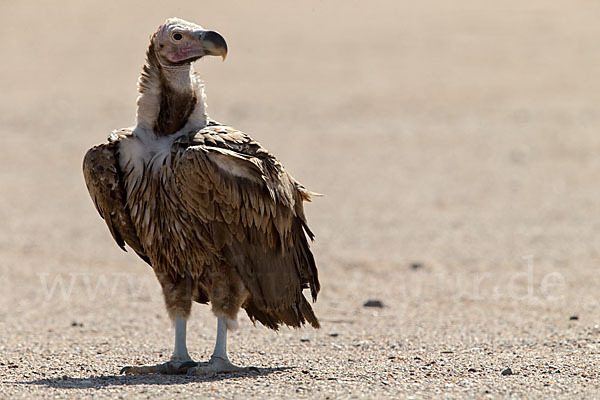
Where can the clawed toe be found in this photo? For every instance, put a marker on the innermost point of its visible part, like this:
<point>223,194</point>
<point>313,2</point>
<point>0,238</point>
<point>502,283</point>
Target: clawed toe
<point>218,365</point>
<point>167,368</point>
<point>186,366</point>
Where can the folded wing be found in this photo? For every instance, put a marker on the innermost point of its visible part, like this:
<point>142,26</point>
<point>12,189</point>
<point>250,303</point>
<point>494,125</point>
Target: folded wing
<point>256,218</point>
<point>104,182</point>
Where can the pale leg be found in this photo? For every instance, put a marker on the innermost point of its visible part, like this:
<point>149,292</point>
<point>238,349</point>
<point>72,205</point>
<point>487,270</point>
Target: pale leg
<point>219,362</point>
<point>180,360</point>
<point>180,352</point>
<point>221,343</point>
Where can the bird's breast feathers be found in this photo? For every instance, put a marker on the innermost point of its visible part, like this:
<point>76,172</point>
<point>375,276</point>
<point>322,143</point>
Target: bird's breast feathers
<point>143,154</point>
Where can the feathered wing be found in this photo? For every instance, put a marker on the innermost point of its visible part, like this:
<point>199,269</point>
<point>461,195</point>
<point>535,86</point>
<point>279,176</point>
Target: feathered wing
<point>256,218</point>
<point>104,183</point>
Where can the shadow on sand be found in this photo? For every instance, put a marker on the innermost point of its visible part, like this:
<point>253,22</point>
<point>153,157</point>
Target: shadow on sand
<point>102,381</point>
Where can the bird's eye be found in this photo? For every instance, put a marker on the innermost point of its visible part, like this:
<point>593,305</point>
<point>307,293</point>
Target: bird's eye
<point>178,36</point>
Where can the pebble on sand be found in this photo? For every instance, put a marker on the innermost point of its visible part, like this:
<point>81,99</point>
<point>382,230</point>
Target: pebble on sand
<point>373,303</point>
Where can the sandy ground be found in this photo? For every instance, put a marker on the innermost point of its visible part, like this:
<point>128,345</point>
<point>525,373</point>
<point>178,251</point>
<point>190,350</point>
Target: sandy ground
<point>458,146</point>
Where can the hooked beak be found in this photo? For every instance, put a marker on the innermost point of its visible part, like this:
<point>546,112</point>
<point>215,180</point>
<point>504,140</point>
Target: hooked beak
<point>213,44</point>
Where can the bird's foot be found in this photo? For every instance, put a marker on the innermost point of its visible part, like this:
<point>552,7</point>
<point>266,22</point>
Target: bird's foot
<point>168,368</point>
<point>218,365</point>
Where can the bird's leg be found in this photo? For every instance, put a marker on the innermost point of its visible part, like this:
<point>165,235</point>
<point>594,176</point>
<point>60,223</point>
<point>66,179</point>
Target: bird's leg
<point>180,353</point>
<point>178,300</point>
<point>219,362</point>
<point>220,350</point>
<point>180,360</point>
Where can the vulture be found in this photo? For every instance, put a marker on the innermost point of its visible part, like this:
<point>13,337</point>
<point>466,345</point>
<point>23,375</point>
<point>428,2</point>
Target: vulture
<point>214,213</point>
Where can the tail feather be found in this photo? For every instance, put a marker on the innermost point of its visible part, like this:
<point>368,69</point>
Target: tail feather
<point>294,316</point>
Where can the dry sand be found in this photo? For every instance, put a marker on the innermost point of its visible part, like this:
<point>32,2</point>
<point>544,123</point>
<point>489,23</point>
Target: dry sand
<point>457,143</point>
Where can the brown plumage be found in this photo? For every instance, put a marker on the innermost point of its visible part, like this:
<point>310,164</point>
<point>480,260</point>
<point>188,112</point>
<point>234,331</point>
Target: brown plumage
<point>215,214</point>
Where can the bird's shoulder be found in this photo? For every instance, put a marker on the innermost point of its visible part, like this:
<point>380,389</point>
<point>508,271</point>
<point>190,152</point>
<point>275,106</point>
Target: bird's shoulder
<point>233,144</point>
<point>229,138</point>
<point>100,161</point>
<point>104,182</point>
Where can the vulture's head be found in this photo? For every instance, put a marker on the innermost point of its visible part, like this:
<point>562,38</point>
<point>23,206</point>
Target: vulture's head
<point>178,42</point>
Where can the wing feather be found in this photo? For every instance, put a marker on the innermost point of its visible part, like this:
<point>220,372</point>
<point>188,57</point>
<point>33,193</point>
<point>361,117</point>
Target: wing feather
<point>104,182</point>
<point>255,209</point>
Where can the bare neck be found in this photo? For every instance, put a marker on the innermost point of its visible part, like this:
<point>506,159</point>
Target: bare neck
<point>171,99</point>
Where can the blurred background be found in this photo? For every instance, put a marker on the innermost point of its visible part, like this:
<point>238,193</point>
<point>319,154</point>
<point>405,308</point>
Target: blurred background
<point>457,144</point>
